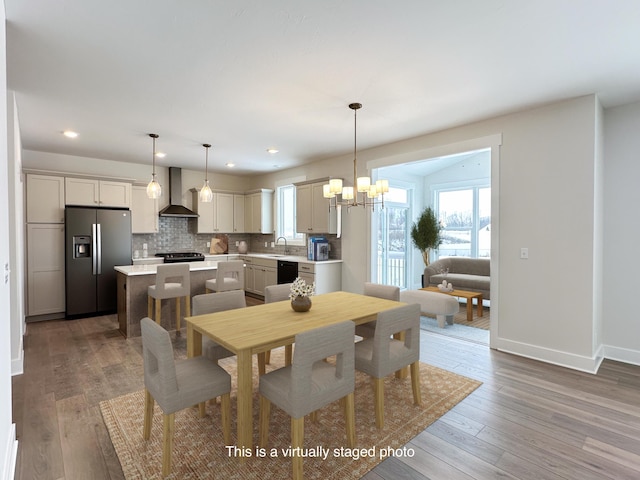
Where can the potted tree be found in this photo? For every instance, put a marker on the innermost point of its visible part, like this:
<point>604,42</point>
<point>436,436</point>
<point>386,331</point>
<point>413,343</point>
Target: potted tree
<point>425,233</point>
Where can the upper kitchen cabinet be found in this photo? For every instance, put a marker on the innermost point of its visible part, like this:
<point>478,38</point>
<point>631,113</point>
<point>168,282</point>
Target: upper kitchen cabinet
<point>99,193</point>
<point>144,211</point>
<point>312,209</point>
<point>45,199</point>
<point>258,211</point>
<point>217,216</point>
<point>238,213</point>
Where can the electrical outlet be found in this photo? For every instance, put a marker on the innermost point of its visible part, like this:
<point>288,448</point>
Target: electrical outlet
<point>144,246</point>
<point>524,253</point>
<point>237,243</point>
<point>273,244</point>
<point>266,244</point>
<point>208,244</point>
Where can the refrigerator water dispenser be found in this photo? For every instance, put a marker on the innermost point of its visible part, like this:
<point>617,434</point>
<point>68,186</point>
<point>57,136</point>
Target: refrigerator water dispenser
<point>81,246</point>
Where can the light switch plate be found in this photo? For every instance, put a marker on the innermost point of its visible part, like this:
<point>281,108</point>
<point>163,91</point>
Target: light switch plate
<point>524,253</point>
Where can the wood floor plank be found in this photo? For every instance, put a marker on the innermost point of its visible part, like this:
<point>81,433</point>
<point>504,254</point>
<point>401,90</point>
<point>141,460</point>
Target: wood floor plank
<point>79,440</point>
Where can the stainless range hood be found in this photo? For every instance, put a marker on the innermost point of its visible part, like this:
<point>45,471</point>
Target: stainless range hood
<point>175,208</point>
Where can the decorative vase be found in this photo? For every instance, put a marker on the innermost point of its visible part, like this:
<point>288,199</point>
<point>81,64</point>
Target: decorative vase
<point>301,304</point>
<point>242,247</point>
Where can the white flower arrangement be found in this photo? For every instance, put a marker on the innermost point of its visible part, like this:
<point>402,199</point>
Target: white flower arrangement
<point>299,288</point>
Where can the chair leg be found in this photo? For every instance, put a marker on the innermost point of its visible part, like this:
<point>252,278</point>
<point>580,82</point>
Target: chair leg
<point>148,414</point>
<point>263,420</point>
<point>350,419</point>
<point>262,368</point>
<point>288,355</point>
<point>314,416</point>
<point>150,307</point>
<point>378,393</point>
<point>202,409</point>
<point>159,311</point>
<point>178,315</point>
<point>206,290</point>
<point>415,383</point>
<point>297,441</point>
<point>167,444</point>
<point>226,417</point>
<point>267,357</point>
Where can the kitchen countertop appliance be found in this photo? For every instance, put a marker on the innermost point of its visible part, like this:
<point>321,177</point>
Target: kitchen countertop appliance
<point>176,257</point>
<point>96,240</point>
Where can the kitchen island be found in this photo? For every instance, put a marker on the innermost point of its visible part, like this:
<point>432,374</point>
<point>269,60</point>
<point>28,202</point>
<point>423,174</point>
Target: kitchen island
<point>133,281</point>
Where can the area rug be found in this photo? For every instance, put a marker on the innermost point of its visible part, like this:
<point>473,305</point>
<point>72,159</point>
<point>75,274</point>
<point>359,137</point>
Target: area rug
<point>199,451</point>
<point>470,334</point>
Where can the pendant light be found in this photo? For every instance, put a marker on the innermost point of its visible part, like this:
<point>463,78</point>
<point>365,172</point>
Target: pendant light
<point>154,190</point>
<point>206,195</point>
<point>349,195</point>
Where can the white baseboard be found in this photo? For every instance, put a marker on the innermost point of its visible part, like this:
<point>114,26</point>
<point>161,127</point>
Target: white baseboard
<point>10,456</point>
<point>555,357</point>
<point>620,354</point>
<point>17,364</point>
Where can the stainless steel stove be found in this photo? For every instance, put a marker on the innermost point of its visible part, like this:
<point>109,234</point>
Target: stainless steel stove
<point>175,257</point>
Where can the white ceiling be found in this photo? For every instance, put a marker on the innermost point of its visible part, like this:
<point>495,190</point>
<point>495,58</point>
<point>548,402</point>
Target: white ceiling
<point>245,75</point>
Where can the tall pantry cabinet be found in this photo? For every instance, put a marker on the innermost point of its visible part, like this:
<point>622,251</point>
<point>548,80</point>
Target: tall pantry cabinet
<point>45,244</point>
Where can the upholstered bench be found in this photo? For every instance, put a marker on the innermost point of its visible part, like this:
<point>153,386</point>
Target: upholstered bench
<point>443,306</point>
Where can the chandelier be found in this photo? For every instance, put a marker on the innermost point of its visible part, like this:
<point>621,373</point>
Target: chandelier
<point>371,194</point>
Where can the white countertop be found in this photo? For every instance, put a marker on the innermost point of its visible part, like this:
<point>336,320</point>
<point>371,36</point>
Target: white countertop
<point>150,269</point>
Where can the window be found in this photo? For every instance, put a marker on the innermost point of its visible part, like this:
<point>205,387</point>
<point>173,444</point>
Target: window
<point>465,214</point>
<point>286,215</point>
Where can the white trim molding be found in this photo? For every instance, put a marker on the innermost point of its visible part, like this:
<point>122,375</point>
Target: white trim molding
<point>11,455</point>
<point>619,354</point>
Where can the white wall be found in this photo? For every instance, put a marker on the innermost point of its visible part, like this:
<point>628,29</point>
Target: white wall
<point>547,203</point>
<point>621,233</point>
<point>17,241</point>
<point>8,443</point>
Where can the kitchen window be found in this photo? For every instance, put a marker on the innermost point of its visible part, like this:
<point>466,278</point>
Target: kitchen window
<point>286,215</point>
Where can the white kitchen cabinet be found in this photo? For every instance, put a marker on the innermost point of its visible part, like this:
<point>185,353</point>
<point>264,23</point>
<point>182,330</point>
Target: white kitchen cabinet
<point>259,273</point>
<point>45,269</point>
<point>144,211</point>
<point>327,276</point>
<point>258,216</point>
<point>45,199</point>
<point>99,193</point>
<point>313,215</point>
<point>217,216</point>
<point>238,213</point>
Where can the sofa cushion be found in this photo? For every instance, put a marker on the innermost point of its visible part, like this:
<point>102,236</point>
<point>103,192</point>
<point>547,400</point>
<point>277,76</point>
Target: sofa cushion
<point>463,281</point>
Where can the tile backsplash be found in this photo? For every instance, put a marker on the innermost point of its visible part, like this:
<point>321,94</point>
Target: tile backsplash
<point>179,235</point>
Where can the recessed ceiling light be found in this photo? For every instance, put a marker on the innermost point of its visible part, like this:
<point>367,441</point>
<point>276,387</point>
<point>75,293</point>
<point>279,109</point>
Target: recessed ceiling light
<point>161,154</point>
<point>230,165</point>
<point>272,150</point>
<point>70,134</point>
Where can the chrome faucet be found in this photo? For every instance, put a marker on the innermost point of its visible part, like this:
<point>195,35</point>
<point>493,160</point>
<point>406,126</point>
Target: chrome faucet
<point>286,249</point>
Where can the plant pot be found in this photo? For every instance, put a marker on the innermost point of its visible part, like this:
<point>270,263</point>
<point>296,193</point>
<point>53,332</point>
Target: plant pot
<point>301,304</point>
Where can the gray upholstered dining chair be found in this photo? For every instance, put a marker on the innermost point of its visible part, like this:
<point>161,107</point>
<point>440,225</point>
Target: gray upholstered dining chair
<point>217,302</point>
<point>382,355</point>
<point>311,383</point>
<point>173,280</point>
<point>278,293</point>
<point>389,292</point>
<point>229,276</point>
<point>177,385</point>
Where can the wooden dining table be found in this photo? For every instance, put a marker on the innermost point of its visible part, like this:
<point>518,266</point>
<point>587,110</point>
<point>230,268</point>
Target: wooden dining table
<point>260,328</point>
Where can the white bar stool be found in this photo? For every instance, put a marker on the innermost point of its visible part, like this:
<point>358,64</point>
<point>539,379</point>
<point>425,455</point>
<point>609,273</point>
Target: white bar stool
<point>172,281</point>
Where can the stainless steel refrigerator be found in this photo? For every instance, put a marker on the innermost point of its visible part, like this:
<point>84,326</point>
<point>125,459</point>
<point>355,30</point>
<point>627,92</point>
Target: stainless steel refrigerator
<point>96,240</point>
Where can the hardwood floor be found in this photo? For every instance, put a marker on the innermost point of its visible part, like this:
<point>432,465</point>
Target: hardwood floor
<point>528,420</point>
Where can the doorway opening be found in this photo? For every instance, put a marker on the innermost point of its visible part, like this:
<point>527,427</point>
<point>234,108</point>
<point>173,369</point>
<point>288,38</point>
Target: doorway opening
<point>458,188</point>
